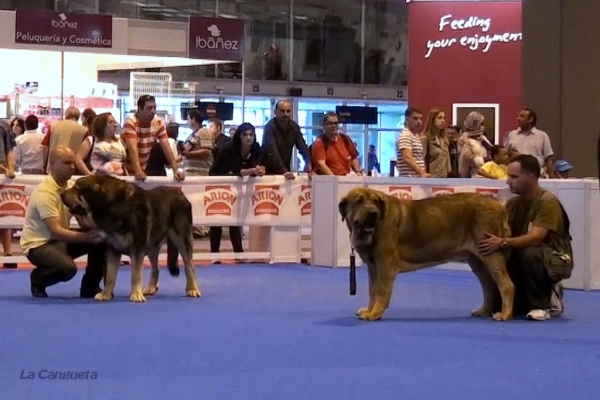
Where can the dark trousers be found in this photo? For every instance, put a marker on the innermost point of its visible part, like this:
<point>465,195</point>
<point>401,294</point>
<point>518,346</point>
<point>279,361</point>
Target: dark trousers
<point>533,285</point>
<point>235,235</point>
<point>54,263</point>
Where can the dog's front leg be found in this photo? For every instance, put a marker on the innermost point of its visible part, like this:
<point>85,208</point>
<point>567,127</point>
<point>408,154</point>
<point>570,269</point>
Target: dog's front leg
<point>152,287</point>
<point>137,272</point>
<point>372,271</point>
<point>383,285</point>
<point>113,259</point>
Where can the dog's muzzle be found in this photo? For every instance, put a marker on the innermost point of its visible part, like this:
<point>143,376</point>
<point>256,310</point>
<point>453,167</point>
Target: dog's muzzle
<point>73,204</point>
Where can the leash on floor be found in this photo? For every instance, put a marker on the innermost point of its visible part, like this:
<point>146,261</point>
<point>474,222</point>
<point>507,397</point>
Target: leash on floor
<point>352,272</point>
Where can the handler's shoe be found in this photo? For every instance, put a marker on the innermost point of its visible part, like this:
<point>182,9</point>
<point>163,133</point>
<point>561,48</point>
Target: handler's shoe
<point>557,305</point>
<point>538,315</point>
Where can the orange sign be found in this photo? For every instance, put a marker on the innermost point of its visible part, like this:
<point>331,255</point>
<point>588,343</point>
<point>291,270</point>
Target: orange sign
<point>218,200</point>
<point>13,201</point>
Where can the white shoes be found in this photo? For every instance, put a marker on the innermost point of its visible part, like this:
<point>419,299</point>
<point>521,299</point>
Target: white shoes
<point>538,315</point>
<point>557,306</point>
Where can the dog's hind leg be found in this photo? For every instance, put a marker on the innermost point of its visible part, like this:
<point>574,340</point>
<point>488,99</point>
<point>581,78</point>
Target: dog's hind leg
<point>152,287</point>
<point>185,245</point>
<point>496,265</point>
<point>137,276</point>
<point>489,287</point>
<point>113,260</point>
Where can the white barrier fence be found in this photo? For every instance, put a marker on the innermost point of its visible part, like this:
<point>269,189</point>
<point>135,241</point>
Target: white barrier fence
<point>271,201</point>
<point>285,207</point>
<point>580,198</point>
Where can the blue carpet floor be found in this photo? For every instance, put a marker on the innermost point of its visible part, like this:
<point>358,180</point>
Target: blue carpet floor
<point>289,332</point>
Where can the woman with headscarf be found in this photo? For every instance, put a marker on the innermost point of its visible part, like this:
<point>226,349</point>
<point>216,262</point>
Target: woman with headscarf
<point>472,145</point>
<point>241,156</point>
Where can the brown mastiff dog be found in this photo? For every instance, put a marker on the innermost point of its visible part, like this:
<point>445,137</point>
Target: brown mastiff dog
<point>394,236</point>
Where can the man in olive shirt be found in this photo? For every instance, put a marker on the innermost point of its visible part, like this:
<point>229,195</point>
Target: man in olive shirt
<point>47,240</point>
<point>540,245</point>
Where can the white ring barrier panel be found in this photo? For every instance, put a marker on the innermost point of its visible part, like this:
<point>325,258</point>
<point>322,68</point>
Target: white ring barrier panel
<point>281,205</point>
<point>580,197</point>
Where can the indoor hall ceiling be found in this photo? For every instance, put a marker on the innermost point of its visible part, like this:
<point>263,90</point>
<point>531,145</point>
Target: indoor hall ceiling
<point>274,10</point>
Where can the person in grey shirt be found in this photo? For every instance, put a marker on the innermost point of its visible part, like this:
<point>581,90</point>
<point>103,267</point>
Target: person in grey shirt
<point>528,139</point>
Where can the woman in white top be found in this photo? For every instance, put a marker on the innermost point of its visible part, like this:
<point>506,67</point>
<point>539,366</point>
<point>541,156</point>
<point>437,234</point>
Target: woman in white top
<point>102,152</point>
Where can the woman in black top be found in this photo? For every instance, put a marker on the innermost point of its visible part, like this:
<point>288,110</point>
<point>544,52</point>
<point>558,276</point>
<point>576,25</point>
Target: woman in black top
<point>240,157</point>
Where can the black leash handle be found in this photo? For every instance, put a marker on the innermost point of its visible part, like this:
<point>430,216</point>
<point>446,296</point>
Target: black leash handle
<point>352,272</point>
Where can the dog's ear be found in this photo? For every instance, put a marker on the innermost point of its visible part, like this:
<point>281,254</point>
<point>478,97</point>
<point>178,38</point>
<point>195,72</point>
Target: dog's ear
<point>343,207</point>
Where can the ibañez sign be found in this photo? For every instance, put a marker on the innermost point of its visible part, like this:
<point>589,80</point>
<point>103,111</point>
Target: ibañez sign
<point>472,40</point>
<point>56,375</point>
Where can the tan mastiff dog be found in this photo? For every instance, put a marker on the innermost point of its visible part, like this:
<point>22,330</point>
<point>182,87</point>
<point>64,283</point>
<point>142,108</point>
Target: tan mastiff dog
<point>393,236</point>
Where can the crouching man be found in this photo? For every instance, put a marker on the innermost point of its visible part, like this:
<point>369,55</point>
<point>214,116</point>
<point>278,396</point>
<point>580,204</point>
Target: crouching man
<point>47,240</point>
<point>540,253</point>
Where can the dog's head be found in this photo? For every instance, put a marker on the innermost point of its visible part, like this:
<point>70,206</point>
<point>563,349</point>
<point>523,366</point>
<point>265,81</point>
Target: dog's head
<point>95,194</point>
<point>362,209</point>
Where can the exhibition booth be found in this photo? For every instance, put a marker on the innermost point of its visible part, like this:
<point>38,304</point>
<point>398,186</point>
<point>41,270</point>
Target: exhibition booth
<point>54,60</point>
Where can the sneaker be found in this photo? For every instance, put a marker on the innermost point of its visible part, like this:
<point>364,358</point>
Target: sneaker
<point>215,262</point>
<point>557,305</point>
<point>538,315</point>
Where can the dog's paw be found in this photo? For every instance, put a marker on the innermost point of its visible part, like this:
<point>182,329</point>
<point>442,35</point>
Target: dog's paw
<point>501,317</point>
<point>137,297</point>
<point>362,311</point>
<point>193,293</point>
<point>370,316</point>
<point>481,312</point>
<point>103,296</point>
<point>150,290</point>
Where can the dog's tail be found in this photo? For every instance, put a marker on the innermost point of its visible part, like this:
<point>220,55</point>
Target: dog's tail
<point>172,256</point>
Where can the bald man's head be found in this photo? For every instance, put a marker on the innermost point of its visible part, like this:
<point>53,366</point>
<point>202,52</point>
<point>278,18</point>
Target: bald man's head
<point>283,111</point>
<point>60,153</point>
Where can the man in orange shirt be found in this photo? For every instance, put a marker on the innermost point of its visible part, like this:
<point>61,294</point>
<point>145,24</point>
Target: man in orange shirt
<point>333,153</point>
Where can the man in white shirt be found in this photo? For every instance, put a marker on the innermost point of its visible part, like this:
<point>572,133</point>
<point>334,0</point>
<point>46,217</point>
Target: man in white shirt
<point>29,154</point>
<point>409,148</point>
<point>527,139</point>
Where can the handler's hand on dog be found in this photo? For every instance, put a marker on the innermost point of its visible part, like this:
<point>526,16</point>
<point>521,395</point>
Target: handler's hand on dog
<point>95,236</point>
<point>489,244</point>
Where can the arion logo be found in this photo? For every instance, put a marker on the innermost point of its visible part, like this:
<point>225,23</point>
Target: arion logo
<point>490,192</point>
<point>218,200</point>
<point>442,191</point>
<point>267,200</point>
<point>401,192</point>
<point>305,200</point>
<point>63,22</point>
<point>13,201</point>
